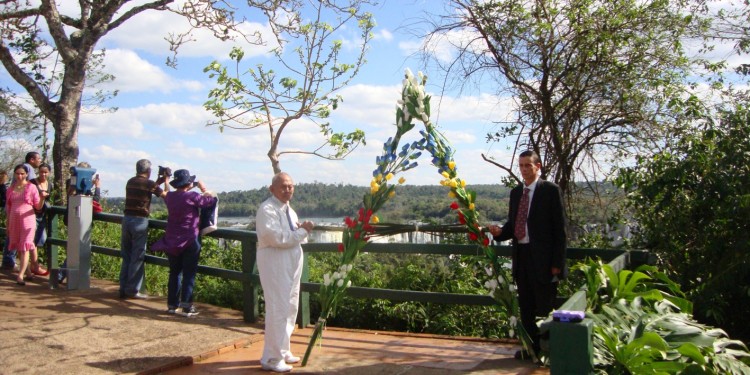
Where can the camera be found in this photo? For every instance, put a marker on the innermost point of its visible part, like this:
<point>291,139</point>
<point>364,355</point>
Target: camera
<point>195,183</point>
<point>165,171</point>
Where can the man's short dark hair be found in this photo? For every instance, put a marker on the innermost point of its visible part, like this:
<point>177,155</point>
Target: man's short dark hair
<point>530,153</point>
<point>31,155</point>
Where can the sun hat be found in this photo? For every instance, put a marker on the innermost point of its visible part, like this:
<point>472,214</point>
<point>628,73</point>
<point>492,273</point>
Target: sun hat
<point>181,178</point>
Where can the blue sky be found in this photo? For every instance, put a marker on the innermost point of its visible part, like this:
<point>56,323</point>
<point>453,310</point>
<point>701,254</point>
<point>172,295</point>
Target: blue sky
<point>161,115</point>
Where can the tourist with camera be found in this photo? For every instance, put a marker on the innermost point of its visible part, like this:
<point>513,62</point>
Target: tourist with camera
<point>181,241</point>
<point>138,192</point>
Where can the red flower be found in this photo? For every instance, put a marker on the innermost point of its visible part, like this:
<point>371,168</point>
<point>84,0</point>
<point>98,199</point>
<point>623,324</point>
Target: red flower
<point>473,236</point>
<point>341,248</point>
<point>356,235</point>
<point>362,214</point>
<point>461,218</point>
<point>454,205</point>
<point>486,241</point>
<point>368,228</point>
<point>350,223</point>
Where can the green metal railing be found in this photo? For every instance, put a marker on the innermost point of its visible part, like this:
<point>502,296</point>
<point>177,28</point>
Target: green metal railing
<point>248,276</point>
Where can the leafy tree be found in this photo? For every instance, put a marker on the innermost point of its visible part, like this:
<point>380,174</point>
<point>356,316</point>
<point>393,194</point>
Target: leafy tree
<point>18,128</point>
<point>35,34</point>
<point>591,80</point>
<point>312,74</point>
<point>693,210</point>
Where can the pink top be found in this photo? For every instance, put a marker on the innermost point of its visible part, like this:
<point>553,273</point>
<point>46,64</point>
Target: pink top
<point>21,217</point>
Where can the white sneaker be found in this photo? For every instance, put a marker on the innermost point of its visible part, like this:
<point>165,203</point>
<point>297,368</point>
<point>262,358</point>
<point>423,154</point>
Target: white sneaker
<point>281,366</point>
<point>290,358</point>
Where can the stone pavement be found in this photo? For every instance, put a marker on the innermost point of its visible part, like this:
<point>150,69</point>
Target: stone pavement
<point>94,332</point>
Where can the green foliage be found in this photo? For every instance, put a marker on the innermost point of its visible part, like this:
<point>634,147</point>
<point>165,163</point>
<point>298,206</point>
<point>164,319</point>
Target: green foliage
<point>693,211</point>
<point>459,274</point>
<point>643,325</point>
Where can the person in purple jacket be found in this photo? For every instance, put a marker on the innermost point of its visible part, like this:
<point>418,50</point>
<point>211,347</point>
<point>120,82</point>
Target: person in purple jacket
<point>181,241</point>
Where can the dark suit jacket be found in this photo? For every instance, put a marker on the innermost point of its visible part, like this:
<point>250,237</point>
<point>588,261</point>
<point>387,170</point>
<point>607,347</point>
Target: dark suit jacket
<point>546,227</point>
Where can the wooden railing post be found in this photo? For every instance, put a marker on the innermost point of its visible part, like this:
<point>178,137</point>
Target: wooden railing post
<point>250,287</point>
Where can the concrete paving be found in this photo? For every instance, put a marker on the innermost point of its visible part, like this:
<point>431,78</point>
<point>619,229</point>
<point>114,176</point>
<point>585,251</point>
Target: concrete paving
<point>94,332</point>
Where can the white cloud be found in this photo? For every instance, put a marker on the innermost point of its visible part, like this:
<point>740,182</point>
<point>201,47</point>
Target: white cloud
<point>147,32</point>
<point>383,34</point>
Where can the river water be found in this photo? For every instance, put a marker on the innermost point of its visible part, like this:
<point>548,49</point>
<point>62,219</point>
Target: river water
<point>332,229</point>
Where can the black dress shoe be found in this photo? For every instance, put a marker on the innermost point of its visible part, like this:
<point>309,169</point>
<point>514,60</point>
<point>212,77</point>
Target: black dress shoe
<point>523,355</point>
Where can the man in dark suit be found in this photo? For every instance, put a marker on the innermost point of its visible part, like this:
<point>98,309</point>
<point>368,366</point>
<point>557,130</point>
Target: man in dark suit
<point>536,224</point>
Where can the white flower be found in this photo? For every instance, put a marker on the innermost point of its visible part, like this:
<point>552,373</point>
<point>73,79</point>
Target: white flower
<point>508,265</point>
<point>340,283</point>
<point>488,270</point>
<point>511,333</point>
<point>512,288</point>
<point>336,275</point>
<point>348,283</point>
<point>327,279</point>
<point>500,279</point>
<point>349,267</point>
<point>513,321</point>
<point>487,284</point>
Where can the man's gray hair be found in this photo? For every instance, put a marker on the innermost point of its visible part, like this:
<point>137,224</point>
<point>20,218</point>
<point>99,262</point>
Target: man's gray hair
<point>142,166</point>
<point>277,176</point>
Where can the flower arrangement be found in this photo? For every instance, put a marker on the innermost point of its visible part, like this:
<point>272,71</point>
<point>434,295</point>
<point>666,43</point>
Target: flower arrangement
<point>413,105</point>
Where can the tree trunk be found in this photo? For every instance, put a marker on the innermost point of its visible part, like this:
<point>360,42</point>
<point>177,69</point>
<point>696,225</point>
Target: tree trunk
<point>65,123</point>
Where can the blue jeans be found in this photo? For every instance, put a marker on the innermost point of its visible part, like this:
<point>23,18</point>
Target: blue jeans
<point>40,236</point>
<point>182,270</point>
<point>133,251</point>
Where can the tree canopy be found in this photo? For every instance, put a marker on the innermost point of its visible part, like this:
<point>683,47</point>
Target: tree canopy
<point>592,80</point>
<point>692,209</point>
<point>311,72</point>
<point>36,34</point>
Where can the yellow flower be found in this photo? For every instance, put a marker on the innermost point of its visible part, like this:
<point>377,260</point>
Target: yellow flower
<point>379,177</point>
<point>392,193</point>
<point>451,194</point>
<point>445,174</point>
<point>401,180</point>
<point>389,176</point>
<point>452,165</point>
<point>453,183</point>
<point>463,183</point>
<point>374,219</point>
<point>374,189</point>
<point>471,206</point>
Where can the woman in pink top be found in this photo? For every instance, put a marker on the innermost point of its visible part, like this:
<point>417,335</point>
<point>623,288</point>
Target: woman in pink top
<point>21,200</point>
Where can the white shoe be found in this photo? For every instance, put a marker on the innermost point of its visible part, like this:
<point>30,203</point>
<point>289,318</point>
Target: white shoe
<point>290,358</point>
<point>281,366</point>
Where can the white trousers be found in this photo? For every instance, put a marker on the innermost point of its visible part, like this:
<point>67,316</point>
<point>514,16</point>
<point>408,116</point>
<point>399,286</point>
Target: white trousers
<point>280,272</point>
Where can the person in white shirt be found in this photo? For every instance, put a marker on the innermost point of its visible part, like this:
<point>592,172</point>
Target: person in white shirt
<point>280,239</point>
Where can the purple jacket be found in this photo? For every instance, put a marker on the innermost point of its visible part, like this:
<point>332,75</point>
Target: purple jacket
<point>183,220</point>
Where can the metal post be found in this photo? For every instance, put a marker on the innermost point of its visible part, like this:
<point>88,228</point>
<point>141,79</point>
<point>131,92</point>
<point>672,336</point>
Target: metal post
<point>79,242</point>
